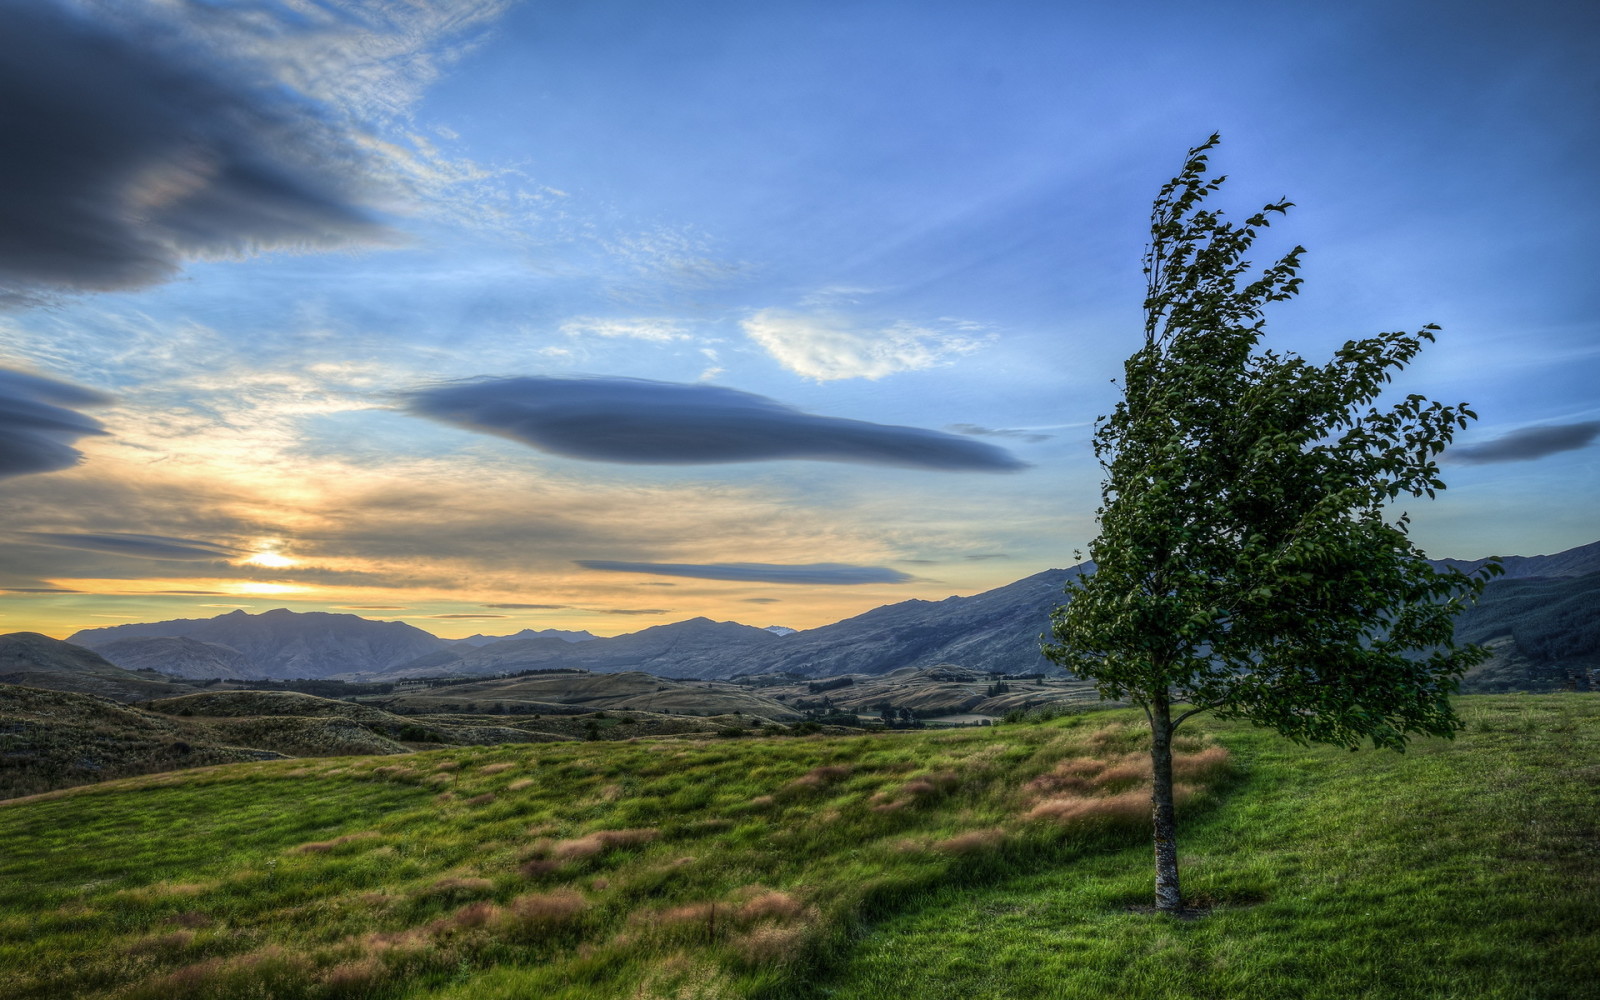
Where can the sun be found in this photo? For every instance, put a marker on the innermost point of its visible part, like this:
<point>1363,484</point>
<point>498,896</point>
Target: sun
<point>271,560</point>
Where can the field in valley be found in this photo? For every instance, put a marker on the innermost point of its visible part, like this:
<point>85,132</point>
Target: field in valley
<point>1004,861</point>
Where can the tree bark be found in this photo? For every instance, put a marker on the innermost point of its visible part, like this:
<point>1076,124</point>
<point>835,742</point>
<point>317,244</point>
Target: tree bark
<point>1168,897</point>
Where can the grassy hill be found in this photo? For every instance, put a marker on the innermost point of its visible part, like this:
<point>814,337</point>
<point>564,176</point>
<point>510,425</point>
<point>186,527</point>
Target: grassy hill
<point>988,862</point>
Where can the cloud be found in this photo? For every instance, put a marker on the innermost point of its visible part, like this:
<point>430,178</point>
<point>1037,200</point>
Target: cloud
<point>37,590</point>
<point>639,421</point>
<point>825,346</point>
<point>373,607</point>
<point>1529,443</point>
<point>630,611</point>
<point>1031,437</point>
<point>818,574</point>
<point>761,600</point>
<point>658,330</point>
<point>466,616</point>
<point>528,607</point>
<point>38,423</point>
<point>123,544</point>
<point>127,151</point>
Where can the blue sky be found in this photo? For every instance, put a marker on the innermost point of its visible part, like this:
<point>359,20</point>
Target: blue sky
<point>887,255</point>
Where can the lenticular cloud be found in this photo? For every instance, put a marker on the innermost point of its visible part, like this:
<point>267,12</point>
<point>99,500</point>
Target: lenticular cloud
<point>38,423</point>
<point>643,422</point>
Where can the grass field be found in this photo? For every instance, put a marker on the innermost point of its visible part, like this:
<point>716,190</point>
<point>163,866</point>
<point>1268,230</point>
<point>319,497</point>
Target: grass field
<point>984,862</point>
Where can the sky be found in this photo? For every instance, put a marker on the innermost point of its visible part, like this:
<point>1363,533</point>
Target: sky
<point>485,315</point>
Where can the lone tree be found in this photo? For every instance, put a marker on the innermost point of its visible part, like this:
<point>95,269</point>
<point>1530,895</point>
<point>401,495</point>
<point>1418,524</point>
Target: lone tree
<point>1246,563</point>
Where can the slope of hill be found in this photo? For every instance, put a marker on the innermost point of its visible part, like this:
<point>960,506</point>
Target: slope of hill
<point>283,644</point>
<point>1544,633</point>
<point>1580,561</point>
<point>573,693</point>
<point>566,635</point>
<point>39,661</point>
<point>58,739</point>
<point>179,656</point>
<point>1003,861</point>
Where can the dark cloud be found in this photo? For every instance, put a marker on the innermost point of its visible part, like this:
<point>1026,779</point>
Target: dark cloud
<point>125,151</point>
<point>762,600</point>
<point>373,607</point>
<point>973,430</point>
<point>630,611</point>
<point>468,616</point>
<point>823,574</point>
<point>38,590</point>
<point>640,421</point>
<point>528,607</point>
<point>1529,443</point>
<point>186,593</point>
<point>121,544</point>
<point>38,422</point>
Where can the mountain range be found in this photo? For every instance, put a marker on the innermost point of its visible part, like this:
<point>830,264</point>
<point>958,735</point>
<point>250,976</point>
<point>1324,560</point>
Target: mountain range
<point>997,631</point>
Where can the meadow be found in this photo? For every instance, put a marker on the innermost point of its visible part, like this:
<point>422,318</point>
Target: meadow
<point>998,861</point>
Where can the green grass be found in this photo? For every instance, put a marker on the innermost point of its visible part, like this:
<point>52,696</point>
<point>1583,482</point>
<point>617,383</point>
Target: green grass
<point>893,865</point>
<point>1462,869</point>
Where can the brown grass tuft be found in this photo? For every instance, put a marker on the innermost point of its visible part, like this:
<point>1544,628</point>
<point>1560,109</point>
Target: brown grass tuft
<point>190,918</point>
<point>520,784</point>
<point>600,841</point>
<point>972,842</point>
<point>817,777</point>
<point>496,768</point>
<point>1127,807</point>
<point>448,765</point>
<point>1208,763</point>
<point>456,886</point>
<point>357,978</point>
<point>771,905</point>
<point>1133,769</point>
<point>479,800</point>
<point>542,914</point>
<point>770,944</point>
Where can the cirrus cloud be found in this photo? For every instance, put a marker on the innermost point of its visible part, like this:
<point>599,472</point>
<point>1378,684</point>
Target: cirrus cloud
<point>125,544</point>
<point>816,574</point>
<point>826,346</point>
<point>639,421</point>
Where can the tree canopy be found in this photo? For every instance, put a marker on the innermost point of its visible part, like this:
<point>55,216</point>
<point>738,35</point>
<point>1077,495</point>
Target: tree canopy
<point>1250,561</point>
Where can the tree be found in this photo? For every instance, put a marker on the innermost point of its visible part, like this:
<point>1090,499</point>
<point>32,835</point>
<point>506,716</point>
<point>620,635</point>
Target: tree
<point>1247,563</point>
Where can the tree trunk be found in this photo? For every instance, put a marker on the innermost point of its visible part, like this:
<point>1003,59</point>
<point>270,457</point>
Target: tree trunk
<point>1168,897</point>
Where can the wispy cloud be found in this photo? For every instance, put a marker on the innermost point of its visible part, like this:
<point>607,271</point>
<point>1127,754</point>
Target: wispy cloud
<point>826,346</point>
<point>38,422</point>
<point>818,574</point>
<point>505,606</point>
<point>467,616</point>
<point>1529,443</point>
<point>639,421</point>
<point>125,544</point>
<point>635,328</point>
<point>1020,434</point>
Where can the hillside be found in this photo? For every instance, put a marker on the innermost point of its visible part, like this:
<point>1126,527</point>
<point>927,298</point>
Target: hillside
<point>573,693</point>
<point>59,739</point>
<point>35,660</point>
<point>1000,861</point>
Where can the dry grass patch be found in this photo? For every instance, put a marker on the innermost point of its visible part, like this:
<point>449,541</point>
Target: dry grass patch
<point>496,768</point>
<point>457,886</point>
<point>520,784</point>
<point>820,777</point>
<point>972,842</point>
<point>538,915</point>
<point>479,800</point>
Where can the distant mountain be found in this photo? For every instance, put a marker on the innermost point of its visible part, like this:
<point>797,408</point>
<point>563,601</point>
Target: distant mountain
<point>33,660</point>
<point>527,633</point>
<point>1581,561</point>
<point>284,644</point>
<point>996,631</point>
<point>180,656</point>
<point>781,630</point>
<point>698,647</point>
<point>1544,633</point>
